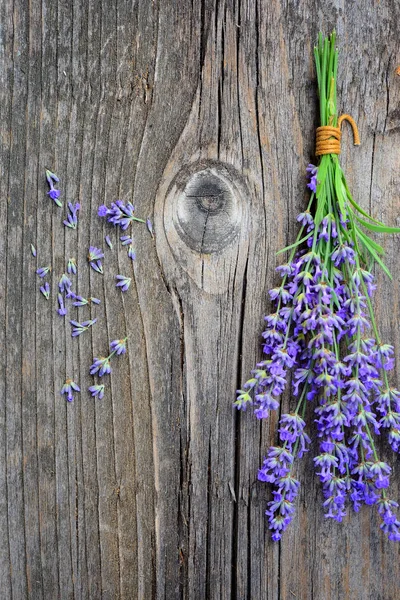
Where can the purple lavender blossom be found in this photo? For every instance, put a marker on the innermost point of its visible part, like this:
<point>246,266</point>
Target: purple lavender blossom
<point>119,214</point>
<point>118,346</point>
<point>69,388</point>
<point>108,242</point>
<point>53,192</point>
<point>101,366</point>
<point>131,253</point>
<point>72,217</point>
<point>64,284</point>
<point>42,271</point>
<point>81,301</point>
<point>33,250</point>
<point>45,289</point>
<point>71,266</point>
<point>123,282</point>
<point>78,328</point>
<point>94,256</point>
<point>62,311</point>
<point>97,390</point>
<point>125,240</point>
<point>149,225</point>
<point>312,171</point>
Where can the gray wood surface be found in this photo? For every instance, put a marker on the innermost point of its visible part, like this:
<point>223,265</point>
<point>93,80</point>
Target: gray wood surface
<point>203,115</point>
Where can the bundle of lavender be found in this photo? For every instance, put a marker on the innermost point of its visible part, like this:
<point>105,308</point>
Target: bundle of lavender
<point>323,328</point>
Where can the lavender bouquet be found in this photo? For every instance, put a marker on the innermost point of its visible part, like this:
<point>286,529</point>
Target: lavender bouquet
<point>323,329</point>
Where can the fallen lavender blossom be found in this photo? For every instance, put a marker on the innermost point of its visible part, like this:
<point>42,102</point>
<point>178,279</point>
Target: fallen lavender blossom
<point>101,366</point>
<point>72,217</point>
<point>94,256</point>
<point>123,282</point>
<point>323,328</point>
<point>45,289</point>
<point>53,192</point>
<point>119,214</point>
<point>78,328</point>
<point>71,266</point>
<point>69,388</point>
<point>97,390</point>
<point>42,271</point>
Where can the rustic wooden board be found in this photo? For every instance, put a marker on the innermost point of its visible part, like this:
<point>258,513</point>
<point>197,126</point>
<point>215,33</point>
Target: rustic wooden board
<point>202,114</point>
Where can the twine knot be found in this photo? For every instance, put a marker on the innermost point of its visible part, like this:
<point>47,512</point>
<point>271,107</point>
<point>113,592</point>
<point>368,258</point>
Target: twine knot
<point>328,137</point>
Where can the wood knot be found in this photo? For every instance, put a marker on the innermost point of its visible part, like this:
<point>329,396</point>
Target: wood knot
<point>207,209</point>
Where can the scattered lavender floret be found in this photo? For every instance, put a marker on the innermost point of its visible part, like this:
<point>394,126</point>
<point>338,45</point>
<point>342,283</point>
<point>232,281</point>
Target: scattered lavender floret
<point>150,227</point>
<point>65,284</point>
<point>94,256</point>
<point>71,266</point>
<point>101,366</point>
<point>80,301</point>
<point>33,250</point>
<point>72,217</point>
<point>97,390</point>
<point>119,214</point>
<point>123,282</point>
<point>62,311</point>
<point>53,192</point>
<point>125,240</point>
<point>42,271</point>
<point>78,328</point>
<point>69,388</point>
<point>118,346</point>
<point>131,253</point>
<point>45,289</point>
<point>108,242</point>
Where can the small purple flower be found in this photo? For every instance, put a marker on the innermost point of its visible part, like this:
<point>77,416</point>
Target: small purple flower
<point>119,214</point>
<point>42,271</point>
<point>94,256</point>
<point>53,192</point>
<point>62,311</point>
<point>78,328</point>
<point>131,253</point>
<point>72,217</point>
<point>108,242</point>
<point>71,266</point>
<point>45,289</point>
<point>312,171</point>
<point>123,282</point>
<point>102,210</point>
<point>65,283</point>
<point>118,346</point>
<point>125,240</point>
<point>33,250</point>
<point>101,366</point>
<point>69,388</point>
<point>149,225</point>
<point>81,301</point>
<point>97,390</point>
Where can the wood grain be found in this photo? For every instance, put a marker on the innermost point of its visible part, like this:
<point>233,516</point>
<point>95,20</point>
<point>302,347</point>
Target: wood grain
<point>203,115</point>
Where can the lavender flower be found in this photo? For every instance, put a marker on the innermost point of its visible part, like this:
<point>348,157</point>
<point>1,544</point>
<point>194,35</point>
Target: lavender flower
<point>101,366</point>
<point>72,217</point>
<point>94,256</point>
<point>53,192</point>
<point>78,328</point>
<point>125,240</point>
<point>69,388</point>
<point>80,301</point>
<point>62,311</point>
<point>119,214</point>
<point>323,328</point>
<point>118,346</point>
<point>71,266</point>
<point>42,271</point>
<point>97,390</point>
<point>33,250</point>
<point>131,253</point>
<point>123,282</point>
<point>45,289</point>
<point>65,284</point>
<point>149,225</point>
<point>108,242</point>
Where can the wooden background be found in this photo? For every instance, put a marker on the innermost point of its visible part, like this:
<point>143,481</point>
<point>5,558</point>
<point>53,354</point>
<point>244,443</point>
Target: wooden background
<point>203,114</point>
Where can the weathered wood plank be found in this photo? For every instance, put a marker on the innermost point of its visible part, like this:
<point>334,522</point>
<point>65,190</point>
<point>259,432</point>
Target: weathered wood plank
<point>202,114</point>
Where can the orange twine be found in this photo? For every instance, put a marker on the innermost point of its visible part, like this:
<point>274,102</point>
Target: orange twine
<point>328,137</point>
